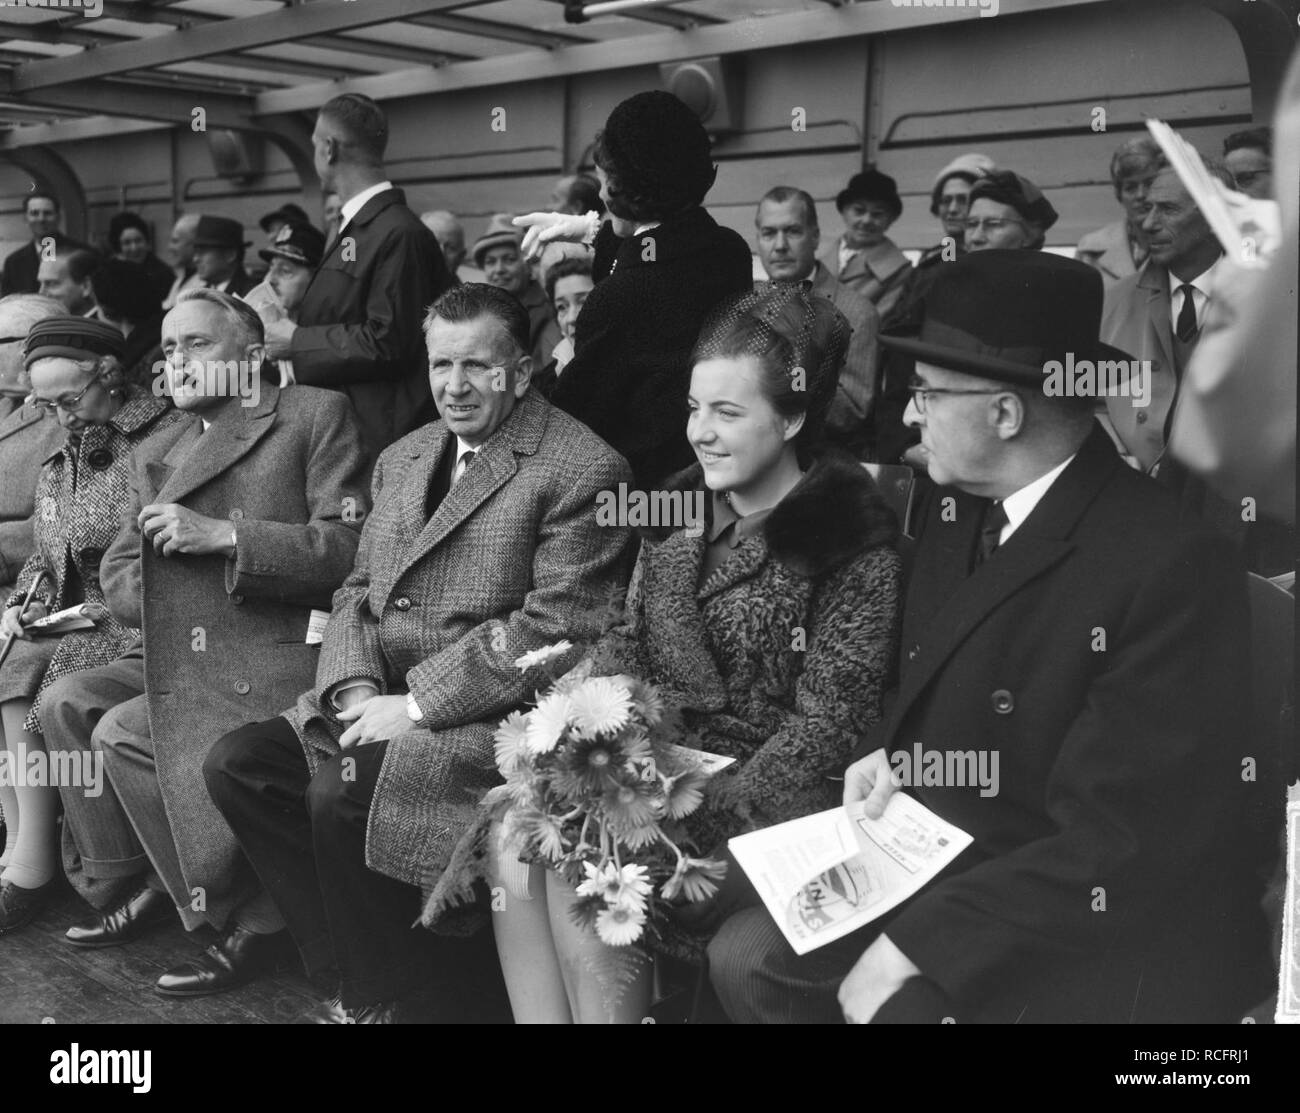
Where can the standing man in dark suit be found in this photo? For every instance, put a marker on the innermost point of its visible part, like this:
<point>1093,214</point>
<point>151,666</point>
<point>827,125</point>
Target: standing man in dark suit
<point>358,329</point>
<point>1063,622</point>
<point>19,275</point>
<point>483,545</point>
<point>241,521</point>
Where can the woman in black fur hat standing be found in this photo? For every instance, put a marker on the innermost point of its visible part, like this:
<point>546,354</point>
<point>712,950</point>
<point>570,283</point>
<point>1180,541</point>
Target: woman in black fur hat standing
<point>661,264</point>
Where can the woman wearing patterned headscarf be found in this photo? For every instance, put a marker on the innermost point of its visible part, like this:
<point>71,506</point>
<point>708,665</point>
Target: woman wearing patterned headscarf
<point>73,364</point>
<point>771,624</point>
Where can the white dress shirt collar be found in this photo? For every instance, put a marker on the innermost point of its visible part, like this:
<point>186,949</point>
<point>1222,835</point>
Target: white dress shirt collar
<point>1020,505</point>
<point>354,205</point>
<point>1202,287</point>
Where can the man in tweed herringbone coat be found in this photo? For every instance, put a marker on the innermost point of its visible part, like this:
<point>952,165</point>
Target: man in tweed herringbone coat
<point>463,566</point>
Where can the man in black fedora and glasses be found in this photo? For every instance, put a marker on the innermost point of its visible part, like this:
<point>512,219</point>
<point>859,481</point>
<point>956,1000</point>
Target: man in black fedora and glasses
<point>1061,618</point>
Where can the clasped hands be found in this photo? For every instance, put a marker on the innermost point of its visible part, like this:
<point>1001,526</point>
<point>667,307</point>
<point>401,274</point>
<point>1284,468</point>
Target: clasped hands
<point>883,968</point>
<point>174,529</point>
<point>373,718</point>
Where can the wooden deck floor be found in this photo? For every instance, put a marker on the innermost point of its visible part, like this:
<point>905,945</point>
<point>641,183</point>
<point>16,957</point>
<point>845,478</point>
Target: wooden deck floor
<point>43,980</point>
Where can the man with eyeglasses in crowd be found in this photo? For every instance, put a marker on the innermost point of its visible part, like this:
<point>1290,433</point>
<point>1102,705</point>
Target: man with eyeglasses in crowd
<point>1061,615</point>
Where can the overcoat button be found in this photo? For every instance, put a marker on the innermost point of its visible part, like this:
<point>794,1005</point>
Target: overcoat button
<point>100,458</point>
<point>236,599</point>
<point>1141,417</point>
<point>913,651</point>
<point>402,603</point>
<point>243,687</point>
<point>236,514</point>
<point>1003,702</point>
<point>91,558</point>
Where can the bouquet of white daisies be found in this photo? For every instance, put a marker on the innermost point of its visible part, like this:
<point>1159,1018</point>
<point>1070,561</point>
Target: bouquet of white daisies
<point>597,791</point>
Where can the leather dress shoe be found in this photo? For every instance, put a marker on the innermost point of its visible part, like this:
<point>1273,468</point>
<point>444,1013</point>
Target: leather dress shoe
<point>129,920</point>
<point>227,964</point>
<point>19,907</point>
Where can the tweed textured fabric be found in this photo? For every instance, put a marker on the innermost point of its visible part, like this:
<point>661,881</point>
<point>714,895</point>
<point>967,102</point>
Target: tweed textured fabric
<point>80,499</point>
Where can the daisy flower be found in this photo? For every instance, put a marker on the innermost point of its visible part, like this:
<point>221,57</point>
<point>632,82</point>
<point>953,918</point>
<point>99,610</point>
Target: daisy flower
<point>600,706</point>
<point>542,656</point>
<point>586,766</point>
<point>627,887</point>
<point>695,879</point>
<point>547,722</point>
<point>646,700</point>
<point>685,792</point>
<point>508,742</point>
<point>536,828</point>
<point>630,805</point>
<point>618,927</point>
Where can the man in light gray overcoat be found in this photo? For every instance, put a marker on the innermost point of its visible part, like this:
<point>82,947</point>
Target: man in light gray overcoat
<point>242,524</point>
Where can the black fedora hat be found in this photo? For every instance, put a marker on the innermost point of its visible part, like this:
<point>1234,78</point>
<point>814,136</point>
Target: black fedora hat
<point>299,243</point>
<point>1004,315</point>
<point>220,231</point>
<point>871,185</point>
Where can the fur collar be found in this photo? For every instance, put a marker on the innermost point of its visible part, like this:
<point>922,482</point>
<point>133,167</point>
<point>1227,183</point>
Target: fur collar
<point>833,514</point>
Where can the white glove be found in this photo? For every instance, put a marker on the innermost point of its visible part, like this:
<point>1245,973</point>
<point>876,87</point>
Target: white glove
<point>544,228</point>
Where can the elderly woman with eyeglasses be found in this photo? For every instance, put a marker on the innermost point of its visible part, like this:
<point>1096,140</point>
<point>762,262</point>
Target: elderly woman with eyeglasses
<point>72,364</point>
<point>1007,211</point>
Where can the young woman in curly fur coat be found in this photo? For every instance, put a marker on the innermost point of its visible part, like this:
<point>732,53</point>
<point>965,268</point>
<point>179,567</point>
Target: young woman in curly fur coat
<point>772,629</point>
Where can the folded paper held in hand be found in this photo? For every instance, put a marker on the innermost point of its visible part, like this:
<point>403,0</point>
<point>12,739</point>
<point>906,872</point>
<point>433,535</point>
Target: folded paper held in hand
<point>826,875</point>
<point>81,617</point>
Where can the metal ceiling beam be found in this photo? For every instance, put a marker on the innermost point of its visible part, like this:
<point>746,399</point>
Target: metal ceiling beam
<point>739,37</point>
<point>133,13</point>
<point>222,37</point>
<point>505,32</point>
<point>162,102</point>
<point>70,131</point>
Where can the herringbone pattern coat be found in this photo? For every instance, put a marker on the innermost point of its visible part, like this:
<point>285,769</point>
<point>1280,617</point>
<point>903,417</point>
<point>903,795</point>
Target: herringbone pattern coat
<point>511,560</point>
<point>225,639</point>
<point>80,501</point>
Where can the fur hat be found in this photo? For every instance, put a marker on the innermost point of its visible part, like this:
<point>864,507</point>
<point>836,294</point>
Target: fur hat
<point>657,153</point>
<point>1006,187</point>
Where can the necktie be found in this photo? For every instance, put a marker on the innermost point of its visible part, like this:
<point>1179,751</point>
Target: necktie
<point>995,517</point>
<point>462,465</point>
<point>1186,327</point>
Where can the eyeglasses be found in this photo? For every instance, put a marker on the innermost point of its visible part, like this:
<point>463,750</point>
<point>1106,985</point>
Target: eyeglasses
<point>990,223</point>
<point>68,405</point>
<point>920,393</point>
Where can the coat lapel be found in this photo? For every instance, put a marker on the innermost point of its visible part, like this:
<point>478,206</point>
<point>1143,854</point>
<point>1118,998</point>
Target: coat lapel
<point>1155,281</point>
<point>492,468</point>
<point>160,471</point>
<point>745,561</point>
<point>1042,541</point>
<point>230,438</point>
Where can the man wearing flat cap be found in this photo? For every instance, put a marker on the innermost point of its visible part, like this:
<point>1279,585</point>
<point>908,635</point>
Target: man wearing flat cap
<point>219,255</point>
<point>499,255</point>
<point>864,258</point>
<point>1060,625</point>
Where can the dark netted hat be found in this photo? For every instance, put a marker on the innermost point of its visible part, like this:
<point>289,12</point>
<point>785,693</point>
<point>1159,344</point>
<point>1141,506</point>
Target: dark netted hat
<point>658,151</point>
<point>1006,187</point>
<point>73,338</point>
<point>754,323</point>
